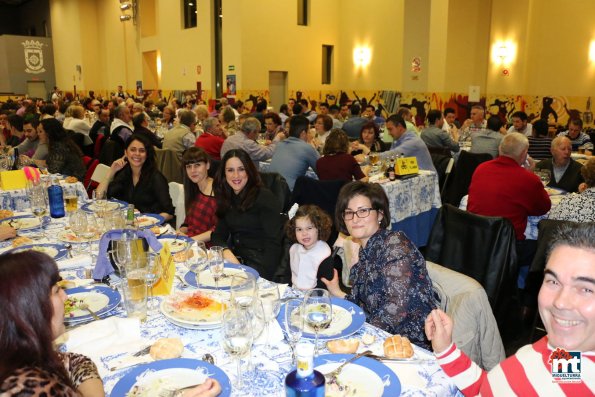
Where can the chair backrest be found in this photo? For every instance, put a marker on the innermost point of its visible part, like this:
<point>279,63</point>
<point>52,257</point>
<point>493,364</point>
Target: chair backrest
<point>100,173</point>
<point>481,247</point>
<point>277,184</point>
<point>474,329</point>
<point>441,163</point>
<point>99,141</point>
<point>460,179</point>
<point>176,192</point>
<point>440,150</point>
<point>321,193</point>
<point>87,182</point>
<point>170,165</point>
<point>111,151</point>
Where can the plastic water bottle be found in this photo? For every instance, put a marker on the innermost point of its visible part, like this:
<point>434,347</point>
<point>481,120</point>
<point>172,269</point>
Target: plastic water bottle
<point>304,381</point>
<point>56,198</point>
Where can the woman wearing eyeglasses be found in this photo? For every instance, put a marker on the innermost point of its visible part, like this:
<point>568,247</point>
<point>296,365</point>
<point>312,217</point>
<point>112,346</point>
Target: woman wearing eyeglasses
<point>389,281</point>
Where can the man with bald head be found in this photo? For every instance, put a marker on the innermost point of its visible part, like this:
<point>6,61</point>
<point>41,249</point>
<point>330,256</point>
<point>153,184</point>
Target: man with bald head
<point>566,173</point>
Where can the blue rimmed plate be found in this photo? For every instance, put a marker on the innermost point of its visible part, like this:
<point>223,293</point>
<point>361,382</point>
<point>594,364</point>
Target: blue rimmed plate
<point>101,299</point>
<point>369,378</point>
<point>144,221</point>
<point>176,243</point>
<point>21,222</point>
<point>110,205</point>
<point>348,318</point>
<point>56,251</point>
<point>170,374</point>
<point>208,282</point>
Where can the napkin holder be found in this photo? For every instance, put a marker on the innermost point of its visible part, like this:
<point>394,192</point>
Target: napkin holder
<point>406,166</point>
<point>13,180</point>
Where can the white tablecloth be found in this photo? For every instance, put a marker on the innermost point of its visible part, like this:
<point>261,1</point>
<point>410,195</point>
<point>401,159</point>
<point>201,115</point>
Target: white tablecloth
<point>17,200</point>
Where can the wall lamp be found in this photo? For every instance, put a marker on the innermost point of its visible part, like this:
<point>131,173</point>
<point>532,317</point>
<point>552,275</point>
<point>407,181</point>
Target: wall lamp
<point>361,57</point>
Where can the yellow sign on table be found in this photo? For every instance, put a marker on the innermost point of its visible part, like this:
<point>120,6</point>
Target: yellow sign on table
<point>406,166</point>
<point>168,272</point>
<point>12,180</point>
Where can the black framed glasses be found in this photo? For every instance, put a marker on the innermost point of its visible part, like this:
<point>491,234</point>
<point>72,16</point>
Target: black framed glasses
<point>361,213</point>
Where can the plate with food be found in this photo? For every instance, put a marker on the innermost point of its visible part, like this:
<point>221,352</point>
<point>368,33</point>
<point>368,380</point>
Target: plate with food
<point>6,214</point>
<point>144,221</point>
<point>56,251</point>
<point>552,191</point>
<point>348,318</point>
<point>100,299</point>
<point>69,236</point>
<point>195,310</point>
<point>21,222</point>
<point>158,377</point>
<point>365,377</point>
<point>105,205</point>
<point>207,281</point>
<point>177,243</point>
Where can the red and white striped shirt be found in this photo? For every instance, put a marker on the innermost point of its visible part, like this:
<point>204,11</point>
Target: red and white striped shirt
<point>527,373</point>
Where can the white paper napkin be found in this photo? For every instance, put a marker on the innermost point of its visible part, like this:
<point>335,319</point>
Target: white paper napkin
<point>105,337</point>
<point>75,262</point>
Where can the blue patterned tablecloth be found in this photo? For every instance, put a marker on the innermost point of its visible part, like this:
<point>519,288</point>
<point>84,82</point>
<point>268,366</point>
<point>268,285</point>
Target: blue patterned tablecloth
<point>16,200</point>
<point>414,203</point>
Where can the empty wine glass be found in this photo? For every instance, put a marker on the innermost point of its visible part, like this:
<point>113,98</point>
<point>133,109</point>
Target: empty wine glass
<point>78,223</point>
<point>199,260</point>
<point>294,324</point>
<point>216,264</point>
<point>242,289</point>
<point>99,200</point>
<point>237,339</point>
<point>268,293</point>
<point>152,275</point>
<point>317,311</point>
<point>39,202</point>
<point>122,254</point>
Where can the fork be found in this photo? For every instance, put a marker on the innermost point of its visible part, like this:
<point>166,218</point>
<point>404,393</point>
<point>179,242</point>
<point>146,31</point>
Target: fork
<point>176,392</point>
<point>331,377</point>
<point>85,306</point>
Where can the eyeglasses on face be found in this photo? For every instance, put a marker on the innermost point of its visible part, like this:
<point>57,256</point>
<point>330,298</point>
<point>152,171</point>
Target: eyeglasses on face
<point>361,213</point>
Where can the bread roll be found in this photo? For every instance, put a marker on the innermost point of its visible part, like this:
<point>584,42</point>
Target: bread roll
<point>166,348</point>
<point>6,214</point>
<point>183,256</point>
<point>71,179</point>
<point>17,242</point>
<point>398,346</point>
<point>343,346</point>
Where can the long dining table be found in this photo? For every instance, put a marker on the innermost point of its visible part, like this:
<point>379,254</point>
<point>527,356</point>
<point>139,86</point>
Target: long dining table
<point>111,340</point>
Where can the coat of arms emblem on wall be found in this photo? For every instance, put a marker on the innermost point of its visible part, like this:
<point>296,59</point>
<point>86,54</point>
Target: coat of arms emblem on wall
<point>33,56</point>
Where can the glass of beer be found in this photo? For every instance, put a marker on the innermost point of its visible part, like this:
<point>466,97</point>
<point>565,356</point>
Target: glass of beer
<point>373,158</point>
<point>70,198</point>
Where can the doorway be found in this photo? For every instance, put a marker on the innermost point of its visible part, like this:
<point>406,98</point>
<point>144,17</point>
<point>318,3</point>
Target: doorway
<point>36,89</point>
<point>277,89</point>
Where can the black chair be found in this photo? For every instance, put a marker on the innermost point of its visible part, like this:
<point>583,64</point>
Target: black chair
<point>277,184</point>
<point>481,247</point>
<point>457,185</point>
<point>440,150</point>
<point>443,165</point>
<point>111,151</point>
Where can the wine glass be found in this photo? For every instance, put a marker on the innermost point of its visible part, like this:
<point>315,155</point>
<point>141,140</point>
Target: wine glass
<point>242,289</point>
<point>268,293</point>
<point>39,203</point>
<point>545,176</point>
<point>122,254</point>
<point>216,264</point>
<point>237,338</point>
<point>317,311</point>
<point>294,324</point>
<point>78,223</point>
<point>90,230</point>
<point>152,274</point>
<point>99,200</point>
<point>198,262</point>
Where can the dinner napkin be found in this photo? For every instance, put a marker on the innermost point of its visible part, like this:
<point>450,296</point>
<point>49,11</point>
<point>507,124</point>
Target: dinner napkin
<point>104,266</point>
<point>110,336</point>
<point>275,334</point>
<point>75,262</point>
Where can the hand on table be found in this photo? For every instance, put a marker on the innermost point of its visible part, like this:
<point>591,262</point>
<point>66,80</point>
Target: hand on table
<point>438,327</point>
<point>6,232</point>
<point>210,388</point>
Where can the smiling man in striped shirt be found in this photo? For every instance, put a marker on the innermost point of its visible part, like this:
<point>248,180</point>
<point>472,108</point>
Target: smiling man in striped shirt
<point>561,363</point>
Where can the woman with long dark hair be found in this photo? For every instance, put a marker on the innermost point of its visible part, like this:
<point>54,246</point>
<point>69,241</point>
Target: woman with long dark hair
<point>250,222</point>
<point>369,140</point>
<point>134,178</point>
<point>64,156</point>
<point>32,317</point>
<point>199,197</point>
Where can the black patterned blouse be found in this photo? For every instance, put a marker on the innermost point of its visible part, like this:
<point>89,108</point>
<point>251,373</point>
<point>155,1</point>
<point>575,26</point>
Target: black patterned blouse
<point>391,283</point>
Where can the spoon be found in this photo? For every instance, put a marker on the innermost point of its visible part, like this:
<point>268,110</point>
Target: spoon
<point>85,306</point>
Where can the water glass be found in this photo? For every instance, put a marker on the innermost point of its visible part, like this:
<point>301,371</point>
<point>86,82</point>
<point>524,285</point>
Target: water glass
<point>216,264</point>
<point>198,262</point>
<point>268,293</point>
<point>237,339</point>
<point>294,324</point>
<point>243,289</point>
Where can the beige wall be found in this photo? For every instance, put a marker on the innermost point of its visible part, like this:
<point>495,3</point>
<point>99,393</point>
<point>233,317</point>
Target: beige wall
<point>452,37</point>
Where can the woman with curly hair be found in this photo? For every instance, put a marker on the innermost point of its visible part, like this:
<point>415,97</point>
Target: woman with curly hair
<point>64,156</point>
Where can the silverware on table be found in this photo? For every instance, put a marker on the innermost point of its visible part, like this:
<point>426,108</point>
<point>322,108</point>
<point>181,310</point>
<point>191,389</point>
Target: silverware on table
<point>85,306</point>
<point>208,358</point>
<point>142,352</point>
<point>402,360</point>
<point>176,392</point>
<point>332,376</point>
